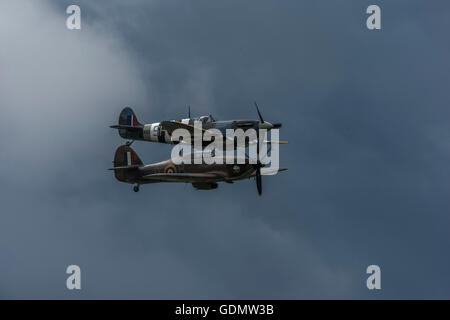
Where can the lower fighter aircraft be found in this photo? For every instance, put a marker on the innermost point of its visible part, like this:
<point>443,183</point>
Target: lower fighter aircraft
<point>130,128</point>
<point>129,168</point>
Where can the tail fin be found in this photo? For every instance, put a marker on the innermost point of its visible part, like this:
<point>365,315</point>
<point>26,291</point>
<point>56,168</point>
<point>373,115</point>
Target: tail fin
<point>125,156</point>
<point>126,161</point>
<point>129,126</point>
<point>128,118</point>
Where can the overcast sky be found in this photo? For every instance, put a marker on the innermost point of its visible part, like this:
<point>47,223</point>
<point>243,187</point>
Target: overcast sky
<point>365,113</point>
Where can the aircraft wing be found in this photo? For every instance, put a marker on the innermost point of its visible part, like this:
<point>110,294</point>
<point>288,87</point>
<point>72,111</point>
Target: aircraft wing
<point>183,177</point>
<point>268,142</point>
<point>171,126</point>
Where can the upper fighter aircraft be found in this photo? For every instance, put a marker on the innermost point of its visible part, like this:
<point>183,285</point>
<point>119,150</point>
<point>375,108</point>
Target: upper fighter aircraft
<point>129,168</point>
<point>130,128</point>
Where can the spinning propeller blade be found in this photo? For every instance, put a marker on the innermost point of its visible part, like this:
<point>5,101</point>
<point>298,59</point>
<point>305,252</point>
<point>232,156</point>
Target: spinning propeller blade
<point>263,124</point>
<point>258,165</point>
<point>259,113</point>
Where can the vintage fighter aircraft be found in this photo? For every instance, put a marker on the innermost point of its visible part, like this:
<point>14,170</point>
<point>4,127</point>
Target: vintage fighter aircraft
<point>129,168</point>
<point>130,128</point>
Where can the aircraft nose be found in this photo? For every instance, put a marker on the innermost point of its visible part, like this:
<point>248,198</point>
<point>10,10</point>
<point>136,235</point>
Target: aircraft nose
<point>265,125</point>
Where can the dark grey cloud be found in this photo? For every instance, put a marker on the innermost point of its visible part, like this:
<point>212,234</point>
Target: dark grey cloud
<point>365,114</point>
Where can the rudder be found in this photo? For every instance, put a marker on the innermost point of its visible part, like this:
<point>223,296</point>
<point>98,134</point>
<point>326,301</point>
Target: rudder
<point>126,162</point>
<point>128,118</point>
<point>126,156</point>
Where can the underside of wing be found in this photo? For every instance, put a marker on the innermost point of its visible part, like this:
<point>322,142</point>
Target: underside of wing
<point>183,177</point>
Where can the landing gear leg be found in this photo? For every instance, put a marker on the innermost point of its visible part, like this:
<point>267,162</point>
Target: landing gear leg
<point>136,188</point>
<point>129,143</point>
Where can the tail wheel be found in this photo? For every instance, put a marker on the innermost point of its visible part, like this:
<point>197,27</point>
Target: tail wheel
<point>136,188</point>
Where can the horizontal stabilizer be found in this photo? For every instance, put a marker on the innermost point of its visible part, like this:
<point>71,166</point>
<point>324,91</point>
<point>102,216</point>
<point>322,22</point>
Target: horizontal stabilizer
<point>122,126</point>
<point>135,166</point>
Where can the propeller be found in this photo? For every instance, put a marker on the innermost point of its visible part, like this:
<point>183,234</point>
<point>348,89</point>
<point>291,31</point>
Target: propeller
<point>261,125</point>
<point>259,113</point>
<point>258,177</point>
<point>264,124</point>
<point>258,163</point>
<point>257,166</point>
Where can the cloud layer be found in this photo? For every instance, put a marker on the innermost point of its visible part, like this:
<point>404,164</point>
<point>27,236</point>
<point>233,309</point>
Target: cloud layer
<point>364,112</point>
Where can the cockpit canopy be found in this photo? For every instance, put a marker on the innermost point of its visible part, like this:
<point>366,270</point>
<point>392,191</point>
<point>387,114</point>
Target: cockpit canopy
<point>205,119</point>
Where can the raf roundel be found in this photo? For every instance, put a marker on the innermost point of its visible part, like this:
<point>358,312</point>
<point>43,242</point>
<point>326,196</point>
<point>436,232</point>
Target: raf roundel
<point>170,169</point>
